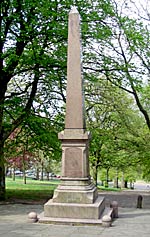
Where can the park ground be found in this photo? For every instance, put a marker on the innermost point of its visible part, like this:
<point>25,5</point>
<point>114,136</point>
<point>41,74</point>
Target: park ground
<point>132,221</point>
<point>38,192</point>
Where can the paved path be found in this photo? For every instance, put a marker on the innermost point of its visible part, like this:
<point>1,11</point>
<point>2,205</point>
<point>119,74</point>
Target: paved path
<point>128,198</point>
<point>14,223</point>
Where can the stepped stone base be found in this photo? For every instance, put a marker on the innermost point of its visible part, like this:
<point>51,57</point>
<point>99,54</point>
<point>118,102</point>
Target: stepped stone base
<point>75,191</point>
<point>68,221</point>
<point>73,221</point>
<point>73,212</point>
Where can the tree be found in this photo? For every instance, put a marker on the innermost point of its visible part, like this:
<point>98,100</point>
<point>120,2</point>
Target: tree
<point>26,38</point>
<point>33,55</point>
<point>101,124</point>
<point>116,126</point>
<point>35,136</point>
<point>123,56</point>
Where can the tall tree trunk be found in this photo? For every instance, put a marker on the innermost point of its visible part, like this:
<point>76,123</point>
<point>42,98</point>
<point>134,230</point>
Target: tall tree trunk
<point>13,176</point>
<point>42,171</point>
<point>2,172</point>
<point>95,174</point>
<point>124,183</point>
<point>37,173</point>
<point>116,184</point>
<point>107,177</point>
<point>24,177</point>
<point>24,166</point>
<point>47,176</point>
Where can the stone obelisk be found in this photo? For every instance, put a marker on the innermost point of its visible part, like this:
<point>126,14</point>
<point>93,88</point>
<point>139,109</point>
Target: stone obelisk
<point>75,118</point>
<point>76,197</point>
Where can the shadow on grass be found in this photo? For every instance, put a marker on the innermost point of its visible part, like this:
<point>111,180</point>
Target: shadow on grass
<point>135,213</point>
<point>28,196</point>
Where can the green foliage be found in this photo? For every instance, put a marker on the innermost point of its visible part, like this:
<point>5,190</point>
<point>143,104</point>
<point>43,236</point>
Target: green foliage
<point>33,79</point>
<point>122,56</point>
<point>118,135</point>
<point>38,138</point>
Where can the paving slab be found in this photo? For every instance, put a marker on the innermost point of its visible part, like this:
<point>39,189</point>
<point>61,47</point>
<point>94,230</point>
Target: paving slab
<point>132,222</point>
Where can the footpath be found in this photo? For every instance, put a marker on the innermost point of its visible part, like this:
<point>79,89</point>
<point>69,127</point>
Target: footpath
<point>132,222</point>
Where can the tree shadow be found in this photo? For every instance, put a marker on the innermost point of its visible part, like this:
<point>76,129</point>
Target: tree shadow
<point>134,214</point>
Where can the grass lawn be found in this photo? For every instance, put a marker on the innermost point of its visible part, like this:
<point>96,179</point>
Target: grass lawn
<point>102,188</point>
<point>33,191</point>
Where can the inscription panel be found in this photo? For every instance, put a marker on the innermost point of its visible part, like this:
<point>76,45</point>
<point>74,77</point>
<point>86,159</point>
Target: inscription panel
<point>73,162</point>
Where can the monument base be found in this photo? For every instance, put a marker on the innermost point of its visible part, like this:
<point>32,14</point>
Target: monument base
<point>75,191</point>
<point>68,221</point>
<point>75,213</point>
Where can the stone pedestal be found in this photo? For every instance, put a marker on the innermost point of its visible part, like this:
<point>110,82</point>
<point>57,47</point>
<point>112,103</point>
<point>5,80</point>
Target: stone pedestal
<point>76,197</point>
<point>74,210</point>
<point>76,186</point>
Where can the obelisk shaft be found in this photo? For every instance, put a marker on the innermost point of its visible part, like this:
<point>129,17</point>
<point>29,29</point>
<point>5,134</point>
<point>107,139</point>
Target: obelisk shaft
<point>74,99</point>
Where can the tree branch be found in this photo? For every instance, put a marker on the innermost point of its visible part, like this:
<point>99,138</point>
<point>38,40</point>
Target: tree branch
<point>26,110</point>
<point>12,94</point>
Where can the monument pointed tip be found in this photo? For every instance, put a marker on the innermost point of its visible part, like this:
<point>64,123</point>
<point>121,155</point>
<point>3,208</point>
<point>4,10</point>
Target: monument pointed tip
<point>74,10</point>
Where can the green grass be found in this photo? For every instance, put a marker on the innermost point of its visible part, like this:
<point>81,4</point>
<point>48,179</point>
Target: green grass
<point>102,188</point>
<point>34,190</point>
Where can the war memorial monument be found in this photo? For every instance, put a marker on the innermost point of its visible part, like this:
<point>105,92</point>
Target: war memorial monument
<point>76,199</point>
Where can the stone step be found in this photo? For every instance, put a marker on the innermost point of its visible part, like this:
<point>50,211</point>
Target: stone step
<point>73,221</point>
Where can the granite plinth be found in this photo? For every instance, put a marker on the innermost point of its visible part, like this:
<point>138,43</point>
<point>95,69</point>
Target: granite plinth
<point>75,192</point>
<point>74,210</point>
<point>75,163</point>
<point>68,221</point>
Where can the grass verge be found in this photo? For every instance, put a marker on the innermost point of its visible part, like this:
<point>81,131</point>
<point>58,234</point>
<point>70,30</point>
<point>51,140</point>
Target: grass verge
<point>33,191</point>
<point>102,188</point>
